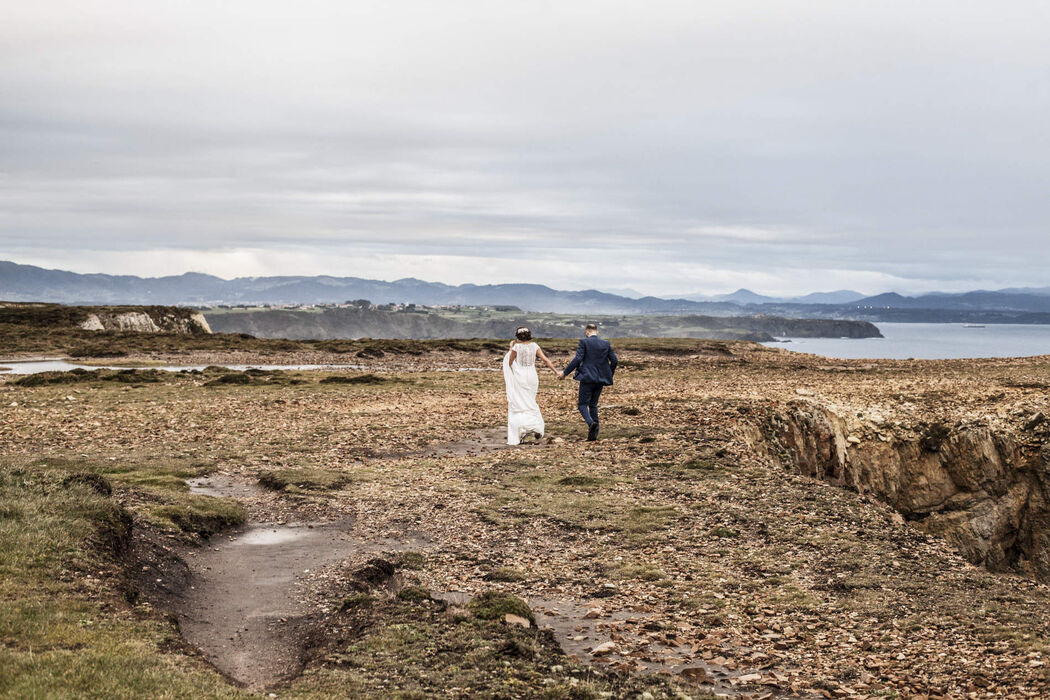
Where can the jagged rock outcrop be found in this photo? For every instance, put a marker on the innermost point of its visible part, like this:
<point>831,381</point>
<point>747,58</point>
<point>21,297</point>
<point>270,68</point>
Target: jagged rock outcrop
<point>985,491</point>
<point>143,322</point>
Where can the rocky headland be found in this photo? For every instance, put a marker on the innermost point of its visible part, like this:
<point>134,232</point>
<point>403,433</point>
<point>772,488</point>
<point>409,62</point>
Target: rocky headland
<point>333,323</point>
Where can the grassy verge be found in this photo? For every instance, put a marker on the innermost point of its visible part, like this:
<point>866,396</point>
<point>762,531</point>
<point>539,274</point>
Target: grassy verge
<point>64,629</point>
<point>154,491</point>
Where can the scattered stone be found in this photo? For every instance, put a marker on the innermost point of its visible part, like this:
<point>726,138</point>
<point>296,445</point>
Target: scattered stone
<point>512,619</point>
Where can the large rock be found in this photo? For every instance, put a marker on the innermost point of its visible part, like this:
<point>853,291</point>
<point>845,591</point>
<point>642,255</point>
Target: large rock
<point>146,322</point>
<point>983,491</point>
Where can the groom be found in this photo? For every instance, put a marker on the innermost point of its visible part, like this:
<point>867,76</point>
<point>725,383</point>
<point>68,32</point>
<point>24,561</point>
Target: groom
<point>594,363</point>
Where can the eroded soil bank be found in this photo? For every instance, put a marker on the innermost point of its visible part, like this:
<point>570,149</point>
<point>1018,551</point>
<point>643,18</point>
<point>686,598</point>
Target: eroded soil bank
<point>983,487</point>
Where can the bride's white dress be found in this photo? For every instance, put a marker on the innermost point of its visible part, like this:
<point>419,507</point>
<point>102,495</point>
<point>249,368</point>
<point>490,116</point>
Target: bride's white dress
<point>523,413</point>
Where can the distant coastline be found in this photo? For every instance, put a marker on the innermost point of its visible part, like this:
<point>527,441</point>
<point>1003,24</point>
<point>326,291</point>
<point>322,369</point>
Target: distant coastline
<point>931,341</point>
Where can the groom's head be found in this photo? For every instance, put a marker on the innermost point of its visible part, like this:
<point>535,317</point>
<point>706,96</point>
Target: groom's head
<point>590,330</point>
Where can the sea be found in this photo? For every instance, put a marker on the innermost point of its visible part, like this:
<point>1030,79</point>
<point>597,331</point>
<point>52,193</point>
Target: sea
<point>931,341</point>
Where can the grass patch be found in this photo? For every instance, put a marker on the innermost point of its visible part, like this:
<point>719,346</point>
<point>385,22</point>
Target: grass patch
<point>77,376</point>
<point>637,572</point>
<point>507,574</point>
<point>579,480</point>
<point>157,492</point>
<point>305,479</point>
<point>230,378</point>
<point>201,515</point>
<point>96,350</point>
<point>723,532</point>
<point>60,637</point>
<point>494,605</point>
<point>643,519</point>
<point>702,463</point>
<point>414,594</point>
<point>354,379</point>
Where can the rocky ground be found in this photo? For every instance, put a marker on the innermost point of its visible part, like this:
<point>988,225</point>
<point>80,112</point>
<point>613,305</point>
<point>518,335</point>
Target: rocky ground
<point>731,533</point>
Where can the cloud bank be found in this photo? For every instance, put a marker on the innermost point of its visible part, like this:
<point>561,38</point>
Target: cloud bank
<point>673,147</point>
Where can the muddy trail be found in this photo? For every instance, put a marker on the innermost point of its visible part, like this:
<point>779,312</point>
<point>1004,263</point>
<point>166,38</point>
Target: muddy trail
<point>243,599</point>
<point>480,441</point>
<point>242,606</point>
<point>241,612</point>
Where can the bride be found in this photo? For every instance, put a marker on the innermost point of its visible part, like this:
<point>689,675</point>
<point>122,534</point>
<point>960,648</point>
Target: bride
<point>519,373</point>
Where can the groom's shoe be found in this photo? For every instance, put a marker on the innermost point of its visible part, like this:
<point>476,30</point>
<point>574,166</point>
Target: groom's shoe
<point>592,432</point>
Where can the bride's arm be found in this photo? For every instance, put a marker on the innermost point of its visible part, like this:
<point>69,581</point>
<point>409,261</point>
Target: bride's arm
<point>539,354</point>
<point>513,353</point>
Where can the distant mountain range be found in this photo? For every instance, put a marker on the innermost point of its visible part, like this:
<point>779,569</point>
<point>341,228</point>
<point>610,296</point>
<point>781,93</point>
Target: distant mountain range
<point>746,296</point>
<point>30,283</point>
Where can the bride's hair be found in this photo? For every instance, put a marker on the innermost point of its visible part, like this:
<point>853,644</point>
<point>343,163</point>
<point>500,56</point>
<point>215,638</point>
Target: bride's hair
<point>523,334</point>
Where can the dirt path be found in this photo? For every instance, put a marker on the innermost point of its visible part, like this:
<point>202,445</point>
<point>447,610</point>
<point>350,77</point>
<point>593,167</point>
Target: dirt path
<point>242,611</point>
<point>477,442</point>
<point>242,607</point>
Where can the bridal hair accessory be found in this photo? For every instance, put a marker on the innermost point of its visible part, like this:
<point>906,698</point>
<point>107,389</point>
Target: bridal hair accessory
<point>521,329</point>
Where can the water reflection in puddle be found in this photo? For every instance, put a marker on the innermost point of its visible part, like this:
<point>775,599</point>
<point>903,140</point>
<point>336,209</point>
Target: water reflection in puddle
<point>264,536</point>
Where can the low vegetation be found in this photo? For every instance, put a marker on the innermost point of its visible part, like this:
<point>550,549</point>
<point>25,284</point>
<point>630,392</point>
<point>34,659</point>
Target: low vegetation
<point>65,626</point>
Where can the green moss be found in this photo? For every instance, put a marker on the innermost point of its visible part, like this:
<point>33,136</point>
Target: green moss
<point>414,594</point>
<point>304,479</point>
<point>353,379</point>
<point>412,560</point>
<point>494,605</point>
<point>506,573</point>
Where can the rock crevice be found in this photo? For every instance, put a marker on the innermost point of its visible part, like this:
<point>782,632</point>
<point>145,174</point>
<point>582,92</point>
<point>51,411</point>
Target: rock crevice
<point>985,491</point>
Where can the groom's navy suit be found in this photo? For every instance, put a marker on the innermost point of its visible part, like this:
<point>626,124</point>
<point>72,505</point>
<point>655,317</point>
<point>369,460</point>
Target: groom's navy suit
<point>594,363</point>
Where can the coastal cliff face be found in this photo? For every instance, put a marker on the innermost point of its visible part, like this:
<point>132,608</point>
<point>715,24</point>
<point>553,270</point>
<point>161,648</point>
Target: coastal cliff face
<point>983,487</point>
<point>144,322</point>
<point>46,318</point>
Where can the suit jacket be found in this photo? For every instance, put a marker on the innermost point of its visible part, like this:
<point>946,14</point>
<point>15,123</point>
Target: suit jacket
<point>595,361</point>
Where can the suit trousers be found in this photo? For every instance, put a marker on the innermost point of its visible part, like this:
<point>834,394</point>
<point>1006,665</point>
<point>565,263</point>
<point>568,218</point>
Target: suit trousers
<point>589,393</point>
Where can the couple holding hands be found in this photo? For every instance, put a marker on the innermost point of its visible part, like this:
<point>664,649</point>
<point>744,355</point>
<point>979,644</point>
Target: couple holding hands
<point>594,365</point>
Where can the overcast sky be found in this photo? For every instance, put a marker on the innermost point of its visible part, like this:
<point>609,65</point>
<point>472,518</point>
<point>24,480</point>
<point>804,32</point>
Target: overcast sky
<point>669,147</point>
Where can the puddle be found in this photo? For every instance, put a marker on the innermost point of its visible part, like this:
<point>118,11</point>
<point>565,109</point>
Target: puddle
<point>264,535</point>
<point>242,608</point>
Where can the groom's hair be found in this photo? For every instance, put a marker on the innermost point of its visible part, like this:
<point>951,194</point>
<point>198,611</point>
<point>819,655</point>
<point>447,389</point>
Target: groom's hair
<point>591,327</point>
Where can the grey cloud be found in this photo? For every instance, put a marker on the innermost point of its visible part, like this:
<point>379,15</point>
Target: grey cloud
<point>904,142</point>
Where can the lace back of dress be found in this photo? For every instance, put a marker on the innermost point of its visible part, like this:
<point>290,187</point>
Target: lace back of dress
<point>527,354</point>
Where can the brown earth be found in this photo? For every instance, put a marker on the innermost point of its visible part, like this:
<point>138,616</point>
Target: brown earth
<point>844,528</point>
